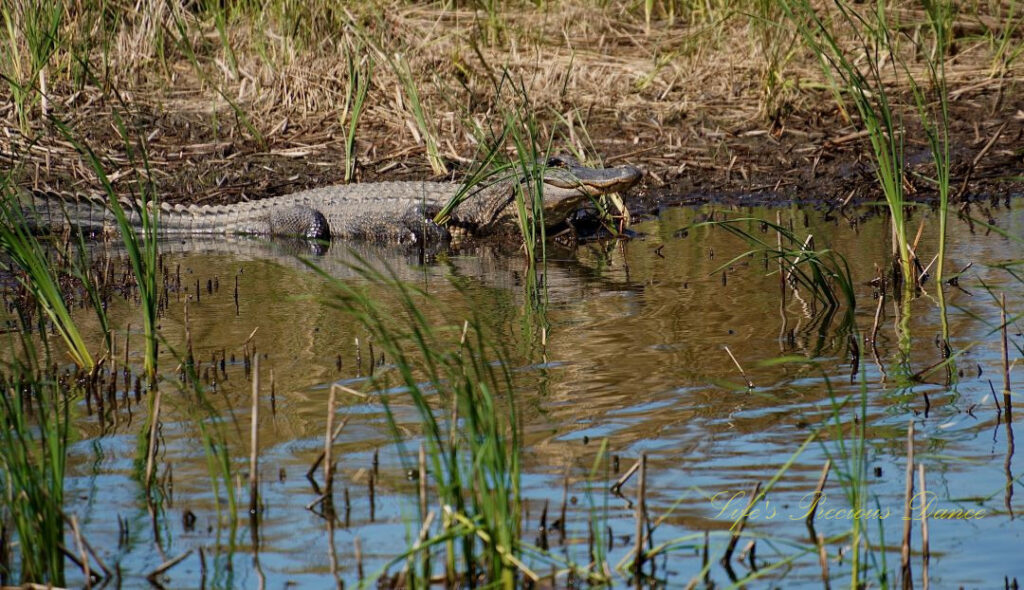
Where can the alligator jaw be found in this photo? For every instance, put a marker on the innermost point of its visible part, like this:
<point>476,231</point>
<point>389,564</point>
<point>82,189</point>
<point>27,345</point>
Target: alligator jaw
<point>568,185</point>
<point>567,173</point>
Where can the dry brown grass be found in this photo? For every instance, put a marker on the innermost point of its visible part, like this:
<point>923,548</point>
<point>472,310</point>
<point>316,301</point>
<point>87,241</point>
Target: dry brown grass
<point>685,99</point>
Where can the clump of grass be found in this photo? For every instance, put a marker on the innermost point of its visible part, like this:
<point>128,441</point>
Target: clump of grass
<point>33,451</point>
<point>183,41</point>
<point>140,242</point>
<point>863,82</point>
<point>1005,51</point>
<point>25,254</point>
<point>460,383</point>
<point>824,273</point>
<point>32,36</point>
<point>777,45</point>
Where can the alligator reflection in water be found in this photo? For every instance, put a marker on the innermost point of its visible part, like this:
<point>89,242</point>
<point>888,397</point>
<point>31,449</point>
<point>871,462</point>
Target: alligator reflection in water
<point>633,353</point>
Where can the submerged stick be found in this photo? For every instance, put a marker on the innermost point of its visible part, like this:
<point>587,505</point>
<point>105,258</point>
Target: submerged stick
<point>641,508</point>
<point>905,571</point>
<point>357,549</point>
<point>254,438</point>
<point>153,425</point>
<point>328,443</point>
<point>565,501</point>
<point>1006,361</point>
<point>925,552</point>
<point>739,526</point>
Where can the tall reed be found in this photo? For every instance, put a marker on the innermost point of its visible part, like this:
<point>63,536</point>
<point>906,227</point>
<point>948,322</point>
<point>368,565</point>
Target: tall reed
<point>360,73</point>
<point>934,115</point>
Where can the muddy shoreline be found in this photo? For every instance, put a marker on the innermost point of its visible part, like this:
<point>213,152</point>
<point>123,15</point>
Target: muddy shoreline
<point>704,109</point>
<point>811,160</point>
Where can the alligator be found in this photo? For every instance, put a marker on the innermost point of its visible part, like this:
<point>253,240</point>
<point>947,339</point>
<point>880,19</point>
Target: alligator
<point>387,212</point>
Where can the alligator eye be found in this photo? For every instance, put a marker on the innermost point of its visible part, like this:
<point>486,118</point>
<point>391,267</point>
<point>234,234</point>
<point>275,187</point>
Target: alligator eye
<point>555,162</point>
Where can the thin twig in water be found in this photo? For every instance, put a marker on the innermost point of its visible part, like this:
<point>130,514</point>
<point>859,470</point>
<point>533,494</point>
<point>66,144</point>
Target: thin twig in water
<point>750,384</point>
<point>617,486</point>
<point>163,567</point>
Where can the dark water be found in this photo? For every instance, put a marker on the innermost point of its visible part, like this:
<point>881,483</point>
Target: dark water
<point>634,355</point>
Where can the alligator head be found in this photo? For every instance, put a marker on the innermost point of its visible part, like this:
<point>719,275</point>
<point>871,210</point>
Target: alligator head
<point>567,186</point>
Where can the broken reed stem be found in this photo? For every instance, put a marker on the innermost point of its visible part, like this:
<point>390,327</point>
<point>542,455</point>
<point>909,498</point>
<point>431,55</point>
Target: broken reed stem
<point>328,443</point>
<point>421,538</point>
<point>738,527</point>
<point>163,567</point>
<point>905,571</point>
<point>81,551</point>
<point>357,549</point>
<point>427,518</point>
<point>641,509</point>
<point>617,486</point>
<point>705,556</point>
<point>423,479</point>
<point>816,538</point>
<point>878,315</point>
<point>320,457</point>
<point>750,554</point>
<point>823,561</point>
<point>818,490</point>
<point>925,553</point>
<point>1006,361</point>
<point>85,542</point>
<point>74,559</point>
<point>808,245</point>
<point>565,503</point>
<point>254,435</point>
<point>750,384</point>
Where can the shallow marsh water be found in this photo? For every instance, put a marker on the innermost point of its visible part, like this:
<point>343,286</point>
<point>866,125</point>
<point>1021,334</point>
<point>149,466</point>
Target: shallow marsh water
<point>633,355</point>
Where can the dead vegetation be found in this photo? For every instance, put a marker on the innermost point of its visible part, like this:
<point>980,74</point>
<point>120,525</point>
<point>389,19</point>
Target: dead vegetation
<point>231,102</point>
